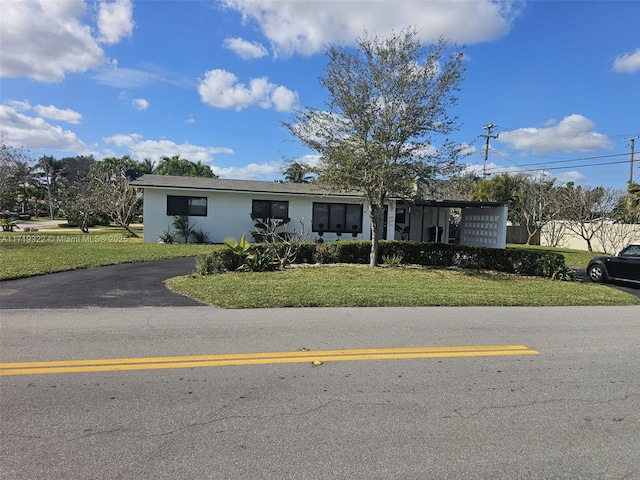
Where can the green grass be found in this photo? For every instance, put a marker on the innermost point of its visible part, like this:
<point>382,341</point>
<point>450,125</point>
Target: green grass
<point>28,254</point>
<point>361,286</point>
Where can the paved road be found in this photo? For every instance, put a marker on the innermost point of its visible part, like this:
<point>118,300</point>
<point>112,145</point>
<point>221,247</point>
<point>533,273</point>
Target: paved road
<point>573,411</point>
<point>127,285</point>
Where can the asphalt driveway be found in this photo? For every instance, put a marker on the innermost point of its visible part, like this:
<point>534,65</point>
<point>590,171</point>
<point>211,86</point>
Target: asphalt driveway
<point>116,286</point>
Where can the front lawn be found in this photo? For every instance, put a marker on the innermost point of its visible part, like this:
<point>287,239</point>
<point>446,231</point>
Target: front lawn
<point>361,286</point>
<point>37,253</point>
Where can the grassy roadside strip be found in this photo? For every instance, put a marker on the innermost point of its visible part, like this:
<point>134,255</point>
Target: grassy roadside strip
<point>28,254</point>
<point>360,286</point>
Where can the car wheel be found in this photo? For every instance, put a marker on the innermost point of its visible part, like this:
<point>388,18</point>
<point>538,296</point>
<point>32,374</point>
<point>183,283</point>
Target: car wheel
<point>596,273</point>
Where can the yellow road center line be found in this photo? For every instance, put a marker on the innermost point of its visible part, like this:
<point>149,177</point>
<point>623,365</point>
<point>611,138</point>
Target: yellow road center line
<point>148,363</point>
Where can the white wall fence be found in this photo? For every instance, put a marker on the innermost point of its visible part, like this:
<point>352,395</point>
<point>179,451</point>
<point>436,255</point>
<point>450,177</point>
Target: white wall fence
<point>611,238</point>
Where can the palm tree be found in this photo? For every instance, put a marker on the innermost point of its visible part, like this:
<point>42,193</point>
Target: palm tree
<point>298,172</point>
<point>183,168</point>
<point>633,200</point>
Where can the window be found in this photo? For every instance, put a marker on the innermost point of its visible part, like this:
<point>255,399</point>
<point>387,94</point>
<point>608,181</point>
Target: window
<point>182,205</point>
<point>400,215</point>
<point>270,209</point>
<point>337,217</point>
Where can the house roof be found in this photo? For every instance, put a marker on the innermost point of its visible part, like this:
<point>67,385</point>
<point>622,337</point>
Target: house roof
<point>457,203</point>
<point>227,185</point>
<point>256,186</point>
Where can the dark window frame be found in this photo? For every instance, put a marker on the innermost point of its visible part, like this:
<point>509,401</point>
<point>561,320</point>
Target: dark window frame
<point>184,205</point>
<point>337,214</point>
<point>270,212</point>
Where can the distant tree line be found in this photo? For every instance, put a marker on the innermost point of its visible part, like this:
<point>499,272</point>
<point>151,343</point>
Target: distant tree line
<point>536,201</point>
<point>80,189</point>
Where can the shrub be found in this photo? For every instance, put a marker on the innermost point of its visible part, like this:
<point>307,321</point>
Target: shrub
<point>261,257</point>
<point>260,260</point>
<point>392,260</point>
<point>211,263</point>
<point>168,236</point>
<point>182,227</point>
<point>200,236</point>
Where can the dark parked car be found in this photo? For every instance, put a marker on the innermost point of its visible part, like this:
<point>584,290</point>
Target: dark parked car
<point>8,214</point>
<point>625,266</point>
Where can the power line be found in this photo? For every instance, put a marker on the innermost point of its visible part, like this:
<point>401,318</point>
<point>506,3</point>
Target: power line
<point>598,157</point>
<point>561,168</point>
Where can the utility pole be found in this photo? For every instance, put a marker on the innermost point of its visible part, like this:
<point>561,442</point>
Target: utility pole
<point>632,141</point>
<point>488,136</point>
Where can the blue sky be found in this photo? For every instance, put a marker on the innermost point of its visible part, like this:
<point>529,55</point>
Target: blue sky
<point>214,80</point>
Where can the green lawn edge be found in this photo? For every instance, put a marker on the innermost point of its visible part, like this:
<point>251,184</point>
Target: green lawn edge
<point>361,286</point>
<point>37,253</point>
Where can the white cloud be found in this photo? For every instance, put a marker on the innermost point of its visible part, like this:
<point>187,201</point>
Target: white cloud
<point>296,27</point>
<point>574,133</point>
<point>221,89</point>
<point>254,171</point>
<point>44,40</point>
<point>113,76</point>
<point>35,133</point>
<point>139,148</point>
<point>627,63</point>
<point>115,20</point>
<point>140,104</point>
<point>55,113</point>
<point>566,177</point>
<point>245,49</point>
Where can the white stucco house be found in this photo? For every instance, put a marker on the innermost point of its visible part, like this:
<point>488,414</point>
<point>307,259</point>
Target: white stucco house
<point>222,208</point>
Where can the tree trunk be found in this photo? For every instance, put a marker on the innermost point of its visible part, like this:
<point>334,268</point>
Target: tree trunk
<point>376,220</point>
<point>128,229</point>
<point>373,256</point>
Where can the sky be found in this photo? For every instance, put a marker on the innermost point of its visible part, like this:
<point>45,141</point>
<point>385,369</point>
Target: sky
<point>212,81</point>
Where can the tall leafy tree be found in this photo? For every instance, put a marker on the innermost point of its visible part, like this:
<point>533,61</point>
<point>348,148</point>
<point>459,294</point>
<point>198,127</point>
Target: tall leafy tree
<point>182,167</point>
<point>19,177</point>
<point>501,188</point>
<point>75,168</point>
<point>388,100</point>
<point>631,202</point>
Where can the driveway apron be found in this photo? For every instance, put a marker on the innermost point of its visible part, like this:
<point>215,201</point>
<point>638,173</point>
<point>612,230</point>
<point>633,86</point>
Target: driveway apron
<point>115,286</point>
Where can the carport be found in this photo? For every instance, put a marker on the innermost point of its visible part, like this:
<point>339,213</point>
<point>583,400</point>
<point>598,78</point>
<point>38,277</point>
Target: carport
<point>465,222</point>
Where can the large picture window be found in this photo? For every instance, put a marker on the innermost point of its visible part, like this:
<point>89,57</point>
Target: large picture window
<point>337,218</point>
<point>183,205</point>
<point>278,210</point>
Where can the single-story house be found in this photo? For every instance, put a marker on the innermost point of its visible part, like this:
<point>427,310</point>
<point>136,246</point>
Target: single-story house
<point>222,208</point>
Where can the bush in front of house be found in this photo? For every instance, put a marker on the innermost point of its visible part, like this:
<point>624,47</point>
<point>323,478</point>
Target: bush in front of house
<point>519,261</point>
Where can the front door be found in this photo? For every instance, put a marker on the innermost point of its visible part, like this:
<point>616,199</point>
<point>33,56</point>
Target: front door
<point>382,229</point>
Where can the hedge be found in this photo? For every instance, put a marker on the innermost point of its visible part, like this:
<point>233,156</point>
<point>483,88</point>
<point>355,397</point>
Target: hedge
<point>509,260</point>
